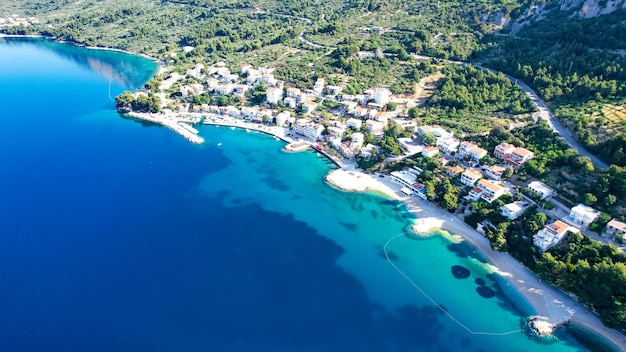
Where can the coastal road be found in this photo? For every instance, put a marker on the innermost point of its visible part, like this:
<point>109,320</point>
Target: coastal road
<point>549,117</point>
<point>545,113</point>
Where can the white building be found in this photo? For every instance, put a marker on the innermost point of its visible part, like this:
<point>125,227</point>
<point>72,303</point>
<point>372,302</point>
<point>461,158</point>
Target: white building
<point>309,107</point>
<point>365,54</point>
<point>615,228</point>
<point>273,95</point>
<point>308,129</point>
<point>429,152</point>
<point>470,176</point>
<point>375,128</point>
<point>406,179</point>
<point>495,172</point>
<point>491,190</point>
<point>318,88</point>
<point>342,148</point>
<point>290,102</point>
<point>410,145</point>
<point>354,123</point>
<point>474,194</point>
<point>583,215</point>
<point>540,189</point>
<point>282,118</point>
<point>358,139</point>
<point>472,150</point>
<point>513,210</point>
<point>519,157</point>
<point>550,235</point>
<point>381,96</point>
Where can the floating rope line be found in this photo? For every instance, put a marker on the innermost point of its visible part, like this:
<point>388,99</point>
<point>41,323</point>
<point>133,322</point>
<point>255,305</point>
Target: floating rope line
<point>437,304</point>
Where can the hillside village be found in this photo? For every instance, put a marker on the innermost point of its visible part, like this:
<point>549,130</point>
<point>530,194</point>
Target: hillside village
<point>375,132</point>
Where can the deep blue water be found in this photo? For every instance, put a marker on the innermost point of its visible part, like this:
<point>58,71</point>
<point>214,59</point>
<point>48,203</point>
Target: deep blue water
<point>120,237</point>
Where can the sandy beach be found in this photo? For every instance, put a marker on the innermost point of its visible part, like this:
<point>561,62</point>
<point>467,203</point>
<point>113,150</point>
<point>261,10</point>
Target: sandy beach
<point>546,300</point>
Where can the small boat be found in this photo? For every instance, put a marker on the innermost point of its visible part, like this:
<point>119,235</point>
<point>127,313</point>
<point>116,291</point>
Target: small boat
<point>219,144</point>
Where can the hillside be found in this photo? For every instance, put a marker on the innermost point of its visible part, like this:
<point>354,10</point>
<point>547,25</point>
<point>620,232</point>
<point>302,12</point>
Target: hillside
<point>573,53</point>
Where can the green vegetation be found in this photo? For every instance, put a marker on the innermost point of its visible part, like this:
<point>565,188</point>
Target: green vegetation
<point>142,103</point>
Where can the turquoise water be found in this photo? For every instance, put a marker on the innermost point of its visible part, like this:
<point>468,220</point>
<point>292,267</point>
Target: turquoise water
<point>118,236</point>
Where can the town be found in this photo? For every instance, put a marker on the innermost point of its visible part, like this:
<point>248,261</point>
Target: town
<point>375,131</point>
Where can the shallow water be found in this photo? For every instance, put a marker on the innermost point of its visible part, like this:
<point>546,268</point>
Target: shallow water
<point>117,236</point>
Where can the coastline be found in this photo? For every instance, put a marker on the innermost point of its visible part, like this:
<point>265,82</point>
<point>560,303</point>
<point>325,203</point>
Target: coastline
<point>545,299</point>
<point>162,65</point>
<point>542,298</point>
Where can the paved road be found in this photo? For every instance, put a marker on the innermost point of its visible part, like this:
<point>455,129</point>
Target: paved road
<point>547,115</point>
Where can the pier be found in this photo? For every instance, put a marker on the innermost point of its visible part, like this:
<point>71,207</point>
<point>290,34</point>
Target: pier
<point>178,126</point>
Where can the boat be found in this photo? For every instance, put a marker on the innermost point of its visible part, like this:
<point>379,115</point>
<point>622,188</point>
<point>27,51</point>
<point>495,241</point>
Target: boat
<point>219,144</point>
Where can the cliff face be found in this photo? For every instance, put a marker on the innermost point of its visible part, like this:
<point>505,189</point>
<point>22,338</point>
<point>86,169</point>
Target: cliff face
<point>592,8</point>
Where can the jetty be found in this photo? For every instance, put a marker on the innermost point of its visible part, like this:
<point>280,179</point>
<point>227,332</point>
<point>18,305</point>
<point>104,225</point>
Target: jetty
<point>177,125</point>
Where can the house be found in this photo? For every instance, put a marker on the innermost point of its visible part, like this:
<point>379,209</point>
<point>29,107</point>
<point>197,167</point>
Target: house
<point>308,129</point>
<point>240,90</point>
<point>503,151</point>
<point>440,133</point>
<point>334,90</point>
<point>309,107</point>
<point>513,210</point>
<point>354,123</point>
<point>454,170</point>
<point>334,132</point>
<point>318,87</point>
<point>615,228</point>
<point>550,235</point>
<point>342,148</point>
<point>375,128</point>
<point>365,54</point>
<point>429,152</point>
<point>540,189</point>
<point>470,176</point>
<point>273,95</point>
<point>494,172</point>
<point>358,139</point>
<point>407,179</point>
<point>491,190</point>
<point>381,96</point>
<point>471,150</point>
<point>583,215</point>
<point>443,161</point>
<point>449,145</point>
<point>368,150</point>
<point>290,102</point>
<point>410,146</point>
<point>282,118</point>
<point>519,157</point>
<point>224,89</point>
<point>411,125</point>
<point>474,194</point>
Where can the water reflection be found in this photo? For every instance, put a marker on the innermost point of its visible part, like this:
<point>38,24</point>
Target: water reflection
<point>125,70</point>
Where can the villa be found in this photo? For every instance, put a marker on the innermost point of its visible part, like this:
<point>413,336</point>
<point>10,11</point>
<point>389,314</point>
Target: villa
<point>503,151</point>
<point>519,157</point>
<point>472,150</point>
<point>540,189</point>
<point>429,152</point>
<point>550,235</point>
<point>583,215</point>
<point>273,95</point>
<point>474,194</point>
<point>470,176</point>
<point>282,118</point>
<point>615,228</point>
<point>454,170</point>
<point>513,210</point>
<point>490,190</point>
<point>495,172</point>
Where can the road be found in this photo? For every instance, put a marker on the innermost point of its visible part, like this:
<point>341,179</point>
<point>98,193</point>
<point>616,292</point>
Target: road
<point>549,117</point>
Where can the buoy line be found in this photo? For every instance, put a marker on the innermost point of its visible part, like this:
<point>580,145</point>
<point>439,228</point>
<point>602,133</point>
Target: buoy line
<point>437,304</point>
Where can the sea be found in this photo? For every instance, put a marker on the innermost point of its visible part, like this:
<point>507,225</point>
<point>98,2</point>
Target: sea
<point>117,235</point>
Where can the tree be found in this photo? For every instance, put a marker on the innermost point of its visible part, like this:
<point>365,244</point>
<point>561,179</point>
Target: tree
<point>508,172</point>
<point>589,199</point>
<point>429,138</point>
<point>124,101</point>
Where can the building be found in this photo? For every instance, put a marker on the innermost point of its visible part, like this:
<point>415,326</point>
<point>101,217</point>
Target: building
<point>273,95</point>
<point>358,139</point>
<point>368,150</point>
<point>375,128</point>
<point>318,87</point>
<point>342,148</point>
<point>583,215</point>
<point>615,228</point>
<point>503,151</point>
<point>519,157</point>
<point>411,125</point>
<point>308,129</point>
<point>550,235</point>
<point>240,90</point>
<point>471,150</point>
<point>495,172</point>
<point>429,152</point>
<point>282,118</point>
<point>381,96</point>
<point>470,176</point>
<point>513,210</point>
<point>290,102</point>
<point>365,54</point>
<point>410,146</point>
<point>309,107</point>
<point>474,194</point>
<point>540,189</point>
<point>454,170</point>
<point>406,179</point>
<point>491,190</point>
<point>354,123</point>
